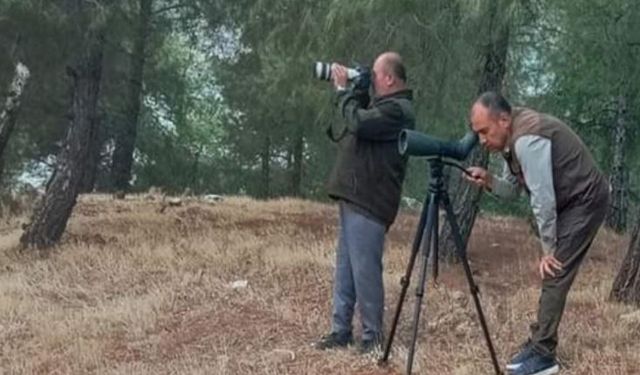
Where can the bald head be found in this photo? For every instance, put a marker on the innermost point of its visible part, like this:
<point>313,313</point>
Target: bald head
<point>491,120</point>
<point>494,102</point>
<point>389,74</point>
<point>392,63</point>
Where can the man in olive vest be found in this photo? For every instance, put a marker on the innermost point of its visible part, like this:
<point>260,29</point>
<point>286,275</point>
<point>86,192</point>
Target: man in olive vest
<point>366,180</point>
<point>569,197</point>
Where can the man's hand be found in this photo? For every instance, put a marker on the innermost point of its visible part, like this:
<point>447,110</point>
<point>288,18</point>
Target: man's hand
<point>548,264</point>
<point>480,177</point>
<point>339,76</point>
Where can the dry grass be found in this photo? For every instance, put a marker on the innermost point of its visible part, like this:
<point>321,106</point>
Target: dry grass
<point>134,291</point>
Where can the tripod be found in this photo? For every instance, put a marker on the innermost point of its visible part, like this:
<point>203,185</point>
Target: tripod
<point>428,228</point>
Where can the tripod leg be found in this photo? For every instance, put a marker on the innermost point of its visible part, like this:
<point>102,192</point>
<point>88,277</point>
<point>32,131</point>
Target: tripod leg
<point>462,254</point>
<point>404,282</point>
<point>435,257</point>
<point>427,246</point>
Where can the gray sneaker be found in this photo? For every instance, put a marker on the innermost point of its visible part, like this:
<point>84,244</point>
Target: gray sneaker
<point>525,353</point>
<point>537,364</point>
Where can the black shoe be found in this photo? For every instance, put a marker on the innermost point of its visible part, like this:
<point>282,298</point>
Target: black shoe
<point>334,340</point>
<point>371,345</point>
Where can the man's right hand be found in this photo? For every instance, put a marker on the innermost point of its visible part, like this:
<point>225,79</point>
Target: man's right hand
<point>479,176</point>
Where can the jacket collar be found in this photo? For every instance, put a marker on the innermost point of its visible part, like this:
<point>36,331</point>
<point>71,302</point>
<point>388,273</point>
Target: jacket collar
<point>406,94</point>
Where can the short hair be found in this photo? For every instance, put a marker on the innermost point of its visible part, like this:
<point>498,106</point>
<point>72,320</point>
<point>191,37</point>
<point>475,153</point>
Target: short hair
<point>394,65</point>
<point>398,69</point>
<point>494,102</point>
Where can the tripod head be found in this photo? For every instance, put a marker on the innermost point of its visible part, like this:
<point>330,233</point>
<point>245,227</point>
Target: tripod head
<point>436,163</point>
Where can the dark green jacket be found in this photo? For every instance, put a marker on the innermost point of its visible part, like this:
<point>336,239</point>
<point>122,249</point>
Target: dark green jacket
<point>369,170</point>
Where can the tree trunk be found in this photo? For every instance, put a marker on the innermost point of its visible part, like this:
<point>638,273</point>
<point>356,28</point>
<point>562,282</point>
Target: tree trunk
<point>53,211</point>
<point>453,12</point>
<point>126,135</point>
<point>296,172</point>
<point>617,215</point>
<point>265,157</point>
<point>465,197</point>
<point>194,184</point>
<point>9,114</point>
<point>626,287</point>
<point>95,147</point>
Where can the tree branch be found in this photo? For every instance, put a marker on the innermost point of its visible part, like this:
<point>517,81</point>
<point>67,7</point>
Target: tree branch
<point>172,7</point>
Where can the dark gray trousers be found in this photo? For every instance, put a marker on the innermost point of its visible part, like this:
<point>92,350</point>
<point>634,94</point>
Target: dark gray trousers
<point>577,226</point>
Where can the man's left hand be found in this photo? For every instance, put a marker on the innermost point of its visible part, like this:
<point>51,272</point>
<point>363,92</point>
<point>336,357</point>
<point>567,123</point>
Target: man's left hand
<point>339,76</point>
<point>548,264</point>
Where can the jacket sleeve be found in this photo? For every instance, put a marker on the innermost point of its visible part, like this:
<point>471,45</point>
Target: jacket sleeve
<point>381,122</point>
<point>506,186</point>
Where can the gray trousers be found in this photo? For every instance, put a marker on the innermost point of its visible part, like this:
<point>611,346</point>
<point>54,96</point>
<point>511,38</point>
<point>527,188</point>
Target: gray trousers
<point>576,228</point>
<point>358,274</point>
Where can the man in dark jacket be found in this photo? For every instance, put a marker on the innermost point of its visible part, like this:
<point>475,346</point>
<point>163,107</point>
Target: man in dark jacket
<point>366,181</point>
<point>569,198</point>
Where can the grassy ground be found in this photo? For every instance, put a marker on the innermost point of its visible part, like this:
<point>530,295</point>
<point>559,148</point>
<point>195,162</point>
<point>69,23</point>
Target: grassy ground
<point>132,290</point>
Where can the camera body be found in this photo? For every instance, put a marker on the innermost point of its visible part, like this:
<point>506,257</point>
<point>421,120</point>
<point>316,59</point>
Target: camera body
<point>359,76</point>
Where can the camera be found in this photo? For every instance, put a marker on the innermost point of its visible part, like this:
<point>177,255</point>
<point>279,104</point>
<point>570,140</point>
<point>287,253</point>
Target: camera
<point>360,76</point>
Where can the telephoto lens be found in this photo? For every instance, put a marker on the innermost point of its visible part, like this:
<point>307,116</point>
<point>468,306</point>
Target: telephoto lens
<point>322,71</point>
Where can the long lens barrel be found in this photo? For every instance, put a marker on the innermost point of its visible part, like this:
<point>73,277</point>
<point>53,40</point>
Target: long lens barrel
<point>322,71</point>
<point>414,143</point>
